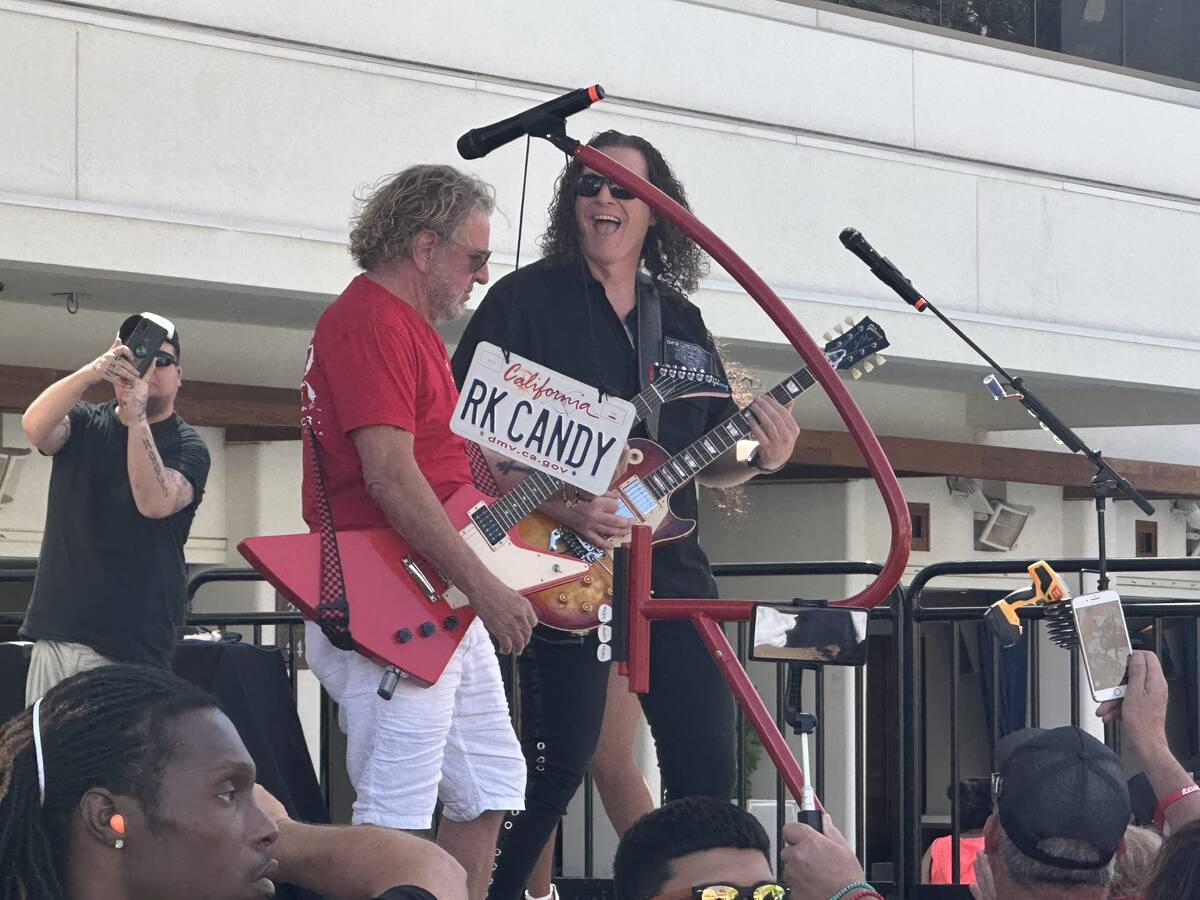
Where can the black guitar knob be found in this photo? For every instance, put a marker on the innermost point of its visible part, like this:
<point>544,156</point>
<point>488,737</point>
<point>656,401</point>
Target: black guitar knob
<point>427,629</point>
<point>450,623</point>
<point>403,636</point>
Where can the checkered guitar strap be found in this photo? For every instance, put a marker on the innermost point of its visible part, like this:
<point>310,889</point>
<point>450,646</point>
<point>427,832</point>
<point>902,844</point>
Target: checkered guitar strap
<point>333,610</point>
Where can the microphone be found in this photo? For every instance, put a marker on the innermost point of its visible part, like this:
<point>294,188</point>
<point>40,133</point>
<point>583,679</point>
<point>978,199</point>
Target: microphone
<point>480,142</point>
<point>883,268</point>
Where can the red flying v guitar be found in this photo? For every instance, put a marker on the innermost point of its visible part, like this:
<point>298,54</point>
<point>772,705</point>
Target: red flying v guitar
<point>403,611</point>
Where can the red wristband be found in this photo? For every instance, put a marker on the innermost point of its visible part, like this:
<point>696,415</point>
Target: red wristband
<point>1160,808</point>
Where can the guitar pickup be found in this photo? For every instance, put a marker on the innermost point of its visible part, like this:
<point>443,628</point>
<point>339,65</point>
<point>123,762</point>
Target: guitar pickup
<point>420,578</point>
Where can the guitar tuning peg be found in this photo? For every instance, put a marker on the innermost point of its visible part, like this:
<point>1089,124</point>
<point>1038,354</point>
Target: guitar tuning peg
<point>868,366</point>
<point>855,373</point>
<point>879,360</point>
<point>604,612</point>
<point>850,321</point>
<point>604,634</point>
<point>827,337</point>
<point>604,652</point>
<point>839,328</point>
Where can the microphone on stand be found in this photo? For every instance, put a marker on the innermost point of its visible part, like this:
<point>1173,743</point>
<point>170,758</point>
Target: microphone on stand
<point>480,142</point>
<point>883,268</point>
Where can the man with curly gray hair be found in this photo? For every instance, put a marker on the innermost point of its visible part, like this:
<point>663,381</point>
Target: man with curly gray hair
<point>378,396</point>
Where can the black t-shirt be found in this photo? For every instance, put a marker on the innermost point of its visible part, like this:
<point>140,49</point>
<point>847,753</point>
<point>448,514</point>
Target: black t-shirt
<point>406,892</point>
<point>109,577</point>
<point>559,316</point>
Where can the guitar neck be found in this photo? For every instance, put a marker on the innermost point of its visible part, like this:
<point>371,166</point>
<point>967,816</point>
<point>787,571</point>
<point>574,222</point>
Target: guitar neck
<point>538,487</point>
<point>688,462</point>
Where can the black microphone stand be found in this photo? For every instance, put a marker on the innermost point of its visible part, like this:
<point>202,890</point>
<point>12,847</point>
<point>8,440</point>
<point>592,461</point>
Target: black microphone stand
<point>1106,483</point>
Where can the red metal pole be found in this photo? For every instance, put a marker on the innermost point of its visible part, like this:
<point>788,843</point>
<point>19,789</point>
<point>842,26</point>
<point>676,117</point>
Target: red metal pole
<point>747,697</point>
<point>638,668</point>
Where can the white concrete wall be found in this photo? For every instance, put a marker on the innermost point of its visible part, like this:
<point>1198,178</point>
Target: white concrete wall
<point>1005,184</point>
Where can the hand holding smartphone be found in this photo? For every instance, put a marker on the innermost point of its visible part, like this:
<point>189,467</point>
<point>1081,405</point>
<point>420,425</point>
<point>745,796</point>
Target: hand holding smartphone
<point>1104,642</point>
<point>146,338</point>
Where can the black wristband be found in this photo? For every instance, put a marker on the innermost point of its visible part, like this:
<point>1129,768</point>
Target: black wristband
<point>753,463</point>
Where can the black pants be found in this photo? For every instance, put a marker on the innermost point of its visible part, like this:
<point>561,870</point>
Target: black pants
<point>562,691</point>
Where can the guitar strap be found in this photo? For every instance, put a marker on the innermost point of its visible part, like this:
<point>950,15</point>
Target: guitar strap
<point>649,342</point>
<point>333,609</point>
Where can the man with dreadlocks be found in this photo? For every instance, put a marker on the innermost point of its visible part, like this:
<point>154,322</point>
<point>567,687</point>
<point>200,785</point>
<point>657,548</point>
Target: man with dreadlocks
<point>127,783</point>
<point>582,310</point>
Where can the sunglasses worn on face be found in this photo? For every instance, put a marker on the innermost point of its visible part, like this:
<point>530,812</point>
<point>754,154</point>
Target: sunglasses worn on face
<point>163,358</point>
<point>479,258</point>
<point>589,186</point>
<point>763,890</point>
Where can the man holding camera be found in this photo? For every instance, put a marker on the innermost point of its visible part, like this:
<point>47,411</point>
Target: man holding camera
<point>127,478</point>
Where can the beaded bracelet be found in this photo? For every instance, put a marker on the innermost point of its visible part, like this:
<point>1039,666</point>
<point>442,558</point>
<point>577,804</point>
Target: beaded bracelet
<point>856,886</point>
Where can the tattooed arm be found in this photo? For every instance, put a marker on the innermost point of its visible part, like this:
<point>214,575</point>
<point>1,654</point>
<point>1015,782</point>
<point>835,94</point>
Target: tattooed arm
<point>157,490</point>
<point>593,518</point>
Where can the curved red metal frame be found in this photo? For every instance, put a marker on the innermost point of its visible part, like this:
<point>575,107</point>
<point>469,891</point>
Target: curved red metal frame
<point>877,462</point>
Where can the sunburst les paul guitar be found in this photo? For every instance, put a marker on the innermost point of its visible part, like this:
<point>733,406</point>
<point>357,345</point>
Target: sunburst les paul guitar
<point>653,475</point>
<point>403,611</point>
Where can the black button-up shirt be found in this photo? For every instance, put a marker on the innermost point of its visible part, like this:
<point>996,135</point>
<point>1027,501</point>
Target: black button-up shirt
<point>559,316</point>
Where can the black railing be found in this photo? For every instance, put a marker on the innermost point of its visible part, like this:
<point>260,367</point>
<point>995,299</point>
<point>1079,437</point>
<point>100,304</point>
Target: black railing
<point>909,614</point>
<point>921,614</point>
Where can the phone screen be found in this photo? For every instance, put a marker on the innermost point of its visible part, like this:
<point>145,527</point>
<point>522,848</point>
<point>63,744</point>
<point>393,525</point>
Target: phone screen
<point>811,634</point>
<point>1104,641</point>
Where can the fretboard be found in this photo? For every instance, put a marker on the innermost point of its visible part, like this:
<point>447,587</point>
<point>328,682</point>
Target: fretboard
<point>684,465</point>
<point>538,487</point>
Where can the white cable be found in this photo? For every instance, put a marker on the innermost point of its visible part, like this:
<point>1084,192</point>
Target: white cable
<point>37,748</point>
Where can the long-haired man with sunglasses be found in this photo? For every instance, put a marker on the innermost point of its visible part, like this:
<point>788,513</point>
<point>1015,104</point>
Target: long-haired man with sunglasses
<point>126,480</point>
<point>586,310</point>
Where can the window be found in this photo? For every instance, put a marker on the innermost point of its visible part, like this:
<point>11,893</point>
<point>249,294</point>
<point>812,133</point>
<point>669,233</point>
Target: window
<point>919,513</point>
<point>1159,37</point>
<point>1145,537</point>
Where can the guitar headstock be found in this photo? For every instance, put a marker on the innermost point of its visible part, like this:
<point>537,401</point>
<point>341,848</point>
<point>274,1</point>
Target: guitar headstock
<point>856,342</point>
<point>674,382</point>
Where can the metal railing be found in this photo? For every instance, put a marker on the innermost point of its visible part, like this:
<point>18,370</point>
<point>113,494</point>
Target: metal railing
<point>921,615</point>
<point>910,614</point>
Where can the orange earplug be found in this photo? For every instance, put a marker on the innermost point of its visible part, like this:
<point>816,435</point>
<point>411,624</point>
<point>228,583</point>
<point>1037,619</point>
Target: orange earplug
<point>117,823</point>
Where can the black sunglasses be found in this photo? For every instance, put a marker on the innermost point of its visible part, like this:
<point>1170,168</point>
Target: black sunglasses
<point>589,186</point>
<point>163,358</point>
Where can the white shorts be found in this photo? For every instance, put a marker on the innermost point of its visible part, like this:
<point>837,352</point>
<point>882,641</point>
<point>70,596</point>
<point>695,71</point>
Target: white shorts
<point>452,740</point>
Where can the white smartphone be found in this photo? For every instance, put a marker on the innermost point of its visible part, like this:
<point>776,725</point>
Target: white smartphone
<point>1104,640</point>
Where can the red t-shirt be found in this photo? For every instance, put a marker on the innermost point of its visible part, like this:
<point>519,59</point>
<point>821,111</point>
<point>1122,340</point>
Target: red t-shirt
<point>374,361</point>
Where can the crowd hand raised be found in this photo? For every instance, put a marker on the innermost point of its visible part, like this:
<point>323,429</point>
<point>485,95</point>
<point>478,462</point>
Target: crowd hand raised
<point>595,519</point>
<point>508,616</point>
<point>1144,707</point>
<point>772,425</point>
<point>816,866</point>
<point>984,887</point>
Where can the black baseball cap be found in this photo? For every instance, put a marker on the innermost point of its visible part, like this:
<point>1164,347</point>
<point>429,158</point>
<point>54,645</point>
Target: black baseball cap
<point>1061,783</point>
<point>129,324</point>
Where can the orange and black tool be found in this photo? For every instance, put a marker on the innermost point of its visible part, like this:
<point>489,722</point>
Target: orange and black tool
<point>1048,587</point>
